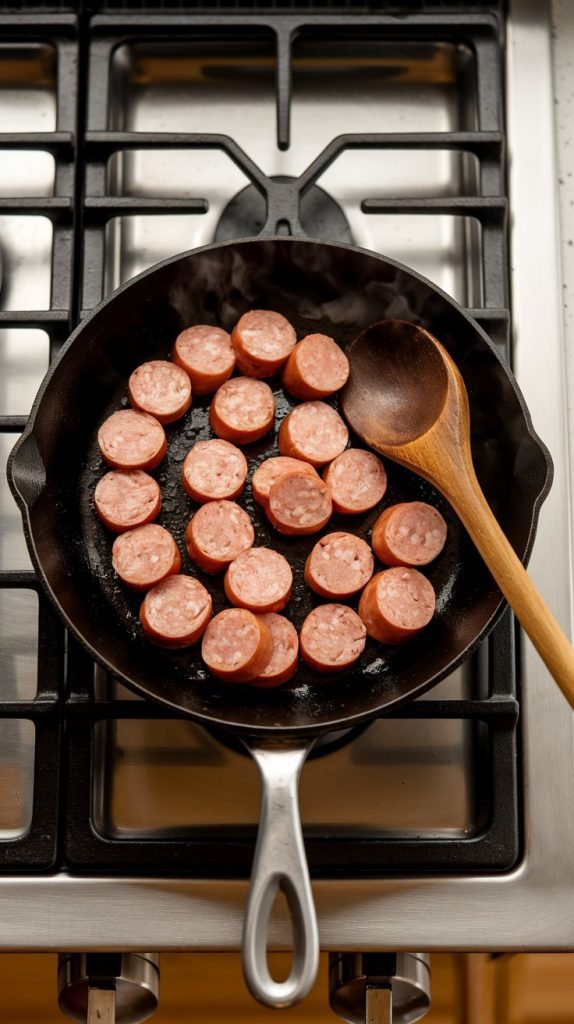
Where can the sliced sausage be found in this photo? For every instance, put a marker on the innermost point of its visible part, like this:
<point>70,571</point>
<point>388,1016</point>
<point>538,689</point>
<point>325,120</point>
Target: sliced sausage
<point>260,580</point>
<point>282,665</point>
<point>339,566</point>
<point>242,410</point>
<point>207,356</point>
<point>237,645</point>
<point>161,389</point>
<point>263,341</point>
<point>145,556</point>
<point>357,481</point>
<point>299,504</point>
<point>332,637</point>
<point>313,432</point>
<point>396,604</point>
<point>316,368</point>
<point>410,533</point>
<point>270,471</point>
<point>218,533</point>
<point>128,499</point>
<point>214,469</point>
<point>132,440</point>
<point>176,611</point>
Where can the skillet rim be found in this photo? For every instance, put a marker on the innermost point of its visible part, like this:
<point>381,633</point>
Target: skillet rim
<point>210,720</point>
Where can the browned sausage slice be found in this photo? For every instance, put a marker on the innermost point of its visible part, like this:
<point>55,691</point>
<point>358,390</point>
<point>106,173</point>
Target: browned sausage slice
<point>161,389</point>
<point>207,356</point>
<point>242,410</point>
<point>132,440</point>
<point>396,604</point>
<point>237,645</point>
<point>128,499</point>
<point>282,665</point>
<point>332,637</point>
<point>218,533</point>
<point>357,481</point>
<point>270,471</point>
<point>313,432</point>
<point>410,533</point>
<point>263,341</point>
<point>145,556</point>
<point>213,470</point>
<point>316,368</point>
<point>175,612</point>
<point>339,565</point>
<point>260,580</point>
<point>299,504</point>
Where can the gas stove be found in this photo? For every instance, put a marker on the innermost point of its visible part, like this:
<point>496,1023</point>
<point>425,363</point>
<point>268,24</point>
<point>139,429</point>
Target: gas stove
<point>130,133</point>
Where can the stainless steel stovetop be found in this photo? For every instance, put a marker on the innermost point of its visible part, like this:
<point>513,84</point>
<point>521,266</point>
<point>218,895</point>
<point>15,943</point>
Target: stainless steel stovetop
<point>158,778</point>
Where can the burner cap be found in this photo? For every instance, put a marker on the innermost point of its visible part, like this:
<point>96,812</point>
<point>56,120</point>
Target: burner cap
<point>321,216</point>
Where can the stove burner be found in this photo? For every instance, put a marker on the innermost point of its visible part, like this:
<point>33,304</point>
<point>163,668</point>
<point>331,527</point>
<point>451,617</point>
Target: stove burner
<point>326,744</point>
<point>321,216</point>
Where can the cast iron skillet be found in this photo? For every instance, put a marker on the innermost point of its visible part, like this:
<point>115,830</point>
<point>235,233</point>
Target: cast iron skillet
<point>338,290</point>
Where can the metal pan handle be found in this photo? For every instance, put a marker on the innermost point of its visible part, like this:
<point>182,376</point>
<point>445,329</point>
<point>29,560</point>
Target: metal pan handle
<point>280,863</point>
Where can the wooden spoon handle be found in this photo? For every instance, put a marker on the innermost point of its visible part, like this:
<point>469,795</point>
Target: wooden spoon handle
<point>532,612</point>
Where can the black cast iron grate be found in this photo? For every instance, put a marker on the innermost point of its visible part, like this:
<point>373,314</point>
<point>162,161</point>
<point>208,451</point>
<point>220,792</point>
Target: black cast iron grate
<point>65,711</point>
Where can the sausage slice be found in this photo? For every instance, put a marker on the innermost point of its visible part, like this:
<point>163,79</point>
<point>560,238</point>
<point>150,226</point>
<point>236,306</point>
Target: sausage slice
<point>214,469</point>
<point>128,499</point>
<point>339,566</point>
<point>299,504</point>
<point>242,410</point>
<point>207,356</point>
<point>145,556</point>
<point>313,432</point>
<point>237,645</point>
<point>218,533</point>
<point>282,665</point>
<point>357,481</point>
<point>316,368</point>
<point>332,637</point>
<point>260,580</point>
<point>263,341</point>
<point>396,604</point>
<point>132,440</point>
<point>410,533</point>
<point>161,389</point>
<point>270,471</point>
<point>176,611</point>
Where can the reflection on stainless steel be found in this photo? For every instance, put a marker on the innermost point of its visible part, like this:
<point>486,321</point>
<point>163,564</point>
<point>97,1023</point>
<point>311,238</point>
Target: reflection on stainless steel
<point>18,644</point>
<point>26,253</point>
<point>397,777</point>
<point>27,103</point>
<point>232,92</point>
<point>23,363</point>
<point>16,776</point>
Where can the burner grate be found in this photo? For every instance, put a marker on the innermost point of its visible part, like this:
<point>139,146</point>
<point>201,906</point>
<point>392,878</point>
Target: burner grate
<point>64,711</point>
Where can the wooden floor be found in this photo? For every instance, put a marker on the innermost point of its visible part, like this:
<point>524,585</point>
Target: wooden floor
<point>208,989</point>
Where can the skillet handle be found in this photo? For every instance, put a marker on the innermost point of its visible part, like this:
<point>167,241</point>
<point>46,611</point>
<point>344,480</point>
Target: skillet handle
<point>280,863</point>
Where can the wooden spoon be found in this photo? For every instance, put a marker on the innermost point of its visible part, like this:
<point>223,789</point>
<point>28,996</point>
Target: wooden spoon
<point>406,398</point>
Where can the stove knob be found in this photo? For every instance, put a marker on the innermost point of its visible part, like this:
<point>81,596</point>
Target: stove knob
<point>124,986</point>
<point>379,988</point>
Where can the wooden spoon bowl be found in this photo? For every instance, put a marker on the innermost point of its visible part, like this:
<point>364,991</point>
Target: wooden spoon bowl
<point>406,399</point>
